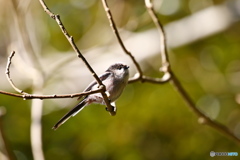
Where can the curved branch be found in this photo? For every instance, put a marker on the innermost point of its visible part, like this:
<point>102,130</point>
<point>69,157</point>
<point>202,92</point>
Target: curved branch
<point>163,44</point>
<point>25,95</point>
<point>8,73</point>
<point>176,83</point>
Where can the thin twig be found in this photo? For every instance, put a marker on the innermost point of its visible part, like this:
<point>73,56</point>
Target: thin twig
<point>53,96</point>
<point>164,55</point>
<point>203,119</point>
<point>165,78</point>
<point>115,31</point>
<point>79,54</point>
<point>30,50</point>
<point>11,94</point>
<point>139,75</point>
<point>8,73</point>
<point>25,95</point>
<point>176,83</point>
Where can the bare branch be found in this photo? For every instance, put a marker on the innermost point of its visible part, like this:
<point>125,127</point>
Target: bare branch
<point>79,54</point>
<point>139,75</point>
<point>46,9</point>
<point>203,119</point>
<point>8,73</point>
<point>166,77</point>
<point>25,95</point>
<point>176,83</point>
<point>164,56</point>
<point>115,31</point>
<point>166,69</point>
<point>11,94</point>
<point>54,96</point>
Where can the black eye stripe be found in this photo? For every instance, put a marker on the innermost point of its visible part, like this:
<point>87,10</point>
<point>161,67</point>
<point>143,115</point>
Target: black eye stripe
<point>120,67</point>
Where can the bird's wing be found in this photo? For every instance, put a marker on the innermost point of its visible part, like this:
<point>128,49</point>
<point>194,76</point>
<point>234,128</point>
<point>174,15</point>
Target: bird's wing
<point>90,86</point>
<point>101,77</point>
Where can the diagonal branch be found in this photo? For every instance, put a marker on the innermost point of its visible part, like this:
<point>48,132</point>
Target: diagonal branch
<point>115,31</point>
<point>79,54</point>
<point>139,75</point>
<point>202,118</point>
<point>176,83</point>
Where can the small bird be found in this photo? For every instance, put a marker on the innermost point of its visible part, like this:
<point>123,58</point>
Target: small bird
<point>115,79</point>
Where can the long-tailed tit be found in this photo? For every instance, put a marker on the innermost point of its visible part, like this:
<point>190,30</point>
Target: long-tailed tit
<point>115,78</point>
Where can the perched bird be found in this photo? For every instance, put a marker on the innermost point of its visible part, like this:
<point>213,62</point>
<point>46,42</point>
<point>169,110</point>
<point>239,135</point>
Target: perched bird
<point>115,78</point>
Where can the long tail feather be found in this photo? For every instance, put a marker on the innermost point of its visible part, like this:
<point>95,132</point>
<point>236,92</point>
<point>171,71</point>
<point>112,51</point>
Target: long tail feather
<point>71,113</point>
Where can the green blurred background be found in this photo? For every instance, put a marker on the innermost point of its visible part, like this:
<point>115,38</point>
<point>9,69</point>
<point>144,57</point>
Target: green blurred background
<point>152,121</point>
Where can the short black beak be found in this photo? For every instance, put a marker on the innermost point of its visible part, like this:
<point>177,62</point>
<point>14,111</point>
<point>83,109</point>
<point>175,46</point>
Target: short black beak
<point>126,67</point>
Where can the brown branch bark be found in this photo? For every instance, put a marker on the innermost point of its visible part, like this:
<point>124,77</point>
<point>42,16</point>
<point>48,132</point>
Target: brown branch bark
<point>8,73</point>
<point>79,54</point>
<point>176,83</point>
<point>115,31</point>
<point>139,76</point>
<point>26,96</point>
